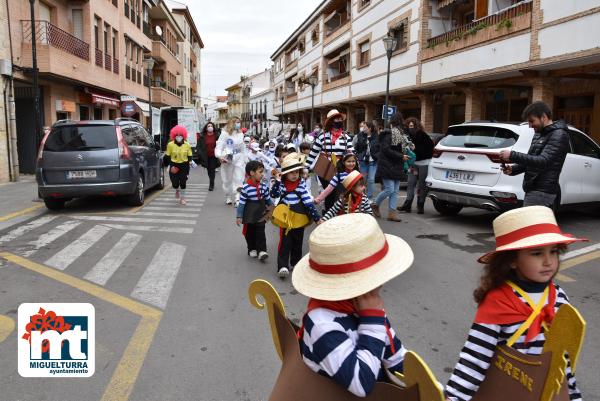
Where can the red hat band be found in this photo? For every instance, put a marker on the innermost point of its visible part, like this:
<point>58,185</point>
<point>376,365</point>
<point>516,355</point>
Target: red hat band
<point>525,232</point>
<point>352,267</point>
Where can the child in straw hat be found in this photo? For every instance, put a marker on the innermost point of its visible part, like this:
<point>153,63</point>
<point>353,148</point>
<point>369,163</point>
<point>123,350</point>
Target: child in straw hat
<point>345,166</point>
<point>345,332</point>
<point>292,192</point>
<point>353,200</point>
<point>517,277</point>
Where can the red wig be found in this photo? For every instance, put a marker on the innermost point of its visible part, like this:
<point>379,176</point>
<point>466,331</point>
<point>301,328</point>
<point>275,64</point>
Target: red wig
<point>178,130</point>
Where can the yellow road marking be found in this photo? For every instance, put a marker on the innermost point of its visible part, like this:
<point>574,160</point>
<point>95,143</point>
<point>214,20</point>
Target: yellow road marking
<point>125,375</point>
<point>7,325</point>
<point>569,263</point>
<point>565,278</point>
<point>21,212</point>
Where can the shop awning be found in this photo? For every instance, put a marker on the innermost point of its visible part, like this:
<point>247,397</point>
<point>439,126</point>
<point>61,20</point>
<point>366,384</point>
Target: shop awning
<point>445,3</point>
<point>102,99</point>
<point>342,54</point>
<point>144,107</point>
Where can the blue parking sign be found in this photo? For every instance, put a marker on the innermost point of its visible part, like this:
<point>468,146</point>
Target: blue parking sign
<point>390,111</point>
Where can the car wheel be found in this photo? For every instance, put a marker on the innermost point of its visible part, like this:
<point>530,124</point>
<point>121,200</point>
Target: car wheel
<point>446,208</point>
<point>137,197</point>
<point>54,204</point>
<point>161,178</point>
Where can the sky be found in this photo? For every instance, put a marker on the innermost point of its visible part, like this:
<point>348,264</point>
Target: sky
<point>239,36</point>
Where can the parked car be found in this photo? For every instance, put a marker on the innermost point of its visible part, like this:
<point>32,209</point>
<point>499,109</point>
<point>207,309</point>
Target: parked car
<point>435,137</point>
<point>466,169</point>
<point>111,158</point>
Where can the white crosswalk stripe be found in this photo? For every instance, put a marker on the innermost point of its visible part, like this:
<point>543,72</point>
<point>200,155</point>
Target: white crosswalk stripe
<point>17,232</point>
<point>50,236</point>
<point>175,204</point>
<point>157,281</point>
<point>69,254</point>
<point>164,208</point>
<point>108,265</point>
<point>134,220</point>
<point>167,214</point>
<point>176,230</point>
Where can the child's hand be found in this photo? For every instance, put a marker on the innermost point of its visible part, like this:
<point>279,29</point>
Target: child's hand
<point>238,221</point>
<point>318,200</point>
<point>370,300</point>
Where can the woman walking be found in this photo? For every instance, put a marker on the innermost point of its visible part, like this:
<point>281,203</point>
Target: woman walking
<point>177,158</point>
<point>418,172</point>
<point>390,166</point>
<point>207,142</point>
<point>333,143</point>
<point>366,149</point>
<point>231,152</point>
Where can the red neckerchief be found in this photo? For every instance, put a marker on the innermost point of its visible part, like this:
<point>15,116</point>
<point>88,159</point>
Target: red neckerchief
<point>291,186</point>
<point>502,306</point>
<point>355,201</point>
<point>335,135</point>
<point>255,185</point>
<point>346,307</point>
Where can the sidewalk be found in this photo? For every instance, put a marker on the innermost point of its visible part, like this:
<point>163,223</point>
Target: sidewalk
<point>18,202</point>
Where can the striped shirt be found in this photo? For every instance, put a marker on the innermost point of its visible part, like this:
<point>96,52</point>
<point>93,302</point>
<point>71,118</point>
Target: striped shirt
<point>323,144</point>
<point>350,349</point>
<point>249,194</point>
<point>341,206</point>
<point>338,178</point>
<point>300,195</point>
<point>478,351</point>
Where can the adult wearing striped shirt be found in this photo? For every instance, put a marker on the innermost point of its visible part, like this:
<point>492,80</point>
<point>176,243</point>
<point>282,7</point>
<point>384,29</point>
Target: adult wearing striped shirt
<point>251,210</point>
<point>517,298</point>
<point>332,143</point>
<point>345,333</point>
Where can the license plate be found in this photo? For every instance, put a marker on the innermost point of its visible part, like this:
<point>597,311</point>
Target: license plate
<point>81,174</point>
<point>460,176</point>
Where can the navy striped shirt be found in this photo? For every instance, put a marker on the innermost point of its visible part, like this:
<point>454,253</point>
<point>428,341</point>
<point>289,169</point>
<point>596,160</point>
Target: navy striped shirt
<point>323,144</point>
<point>477,353</point>
<point>350,349</point>
<point>249,194</point>
<point>341,206</point>
<point>300,195</point>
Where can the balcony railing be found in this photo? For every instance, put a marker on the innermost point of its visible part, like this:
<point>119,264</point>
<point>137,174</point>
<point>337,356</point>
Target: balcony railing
<point>107,62</point>
<point>99,57</point>
<point>127,72</point>
<point>116,66</point>
<point>472,27</point>
<point>48,34</point>
<point>337,77</point>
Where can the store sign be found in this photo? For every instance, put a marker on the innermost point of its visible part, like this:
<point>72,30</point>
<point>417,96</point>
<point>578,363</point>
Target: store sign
<point>127,98</point>
<point>65,105</point>
<point>128,109</point>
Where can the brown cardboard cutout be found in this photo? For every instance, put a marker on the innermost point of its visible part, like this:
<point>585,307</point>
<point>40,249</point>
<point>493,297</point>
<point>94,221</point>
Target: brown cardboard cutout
<point>297,382</point>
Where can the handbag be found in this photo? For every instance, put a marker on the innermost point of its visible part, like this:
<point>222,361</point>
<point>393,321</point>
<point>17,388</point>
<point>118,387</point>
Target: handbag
<point>284,217</point>
<point>254,212</point>
<point>324,168</point>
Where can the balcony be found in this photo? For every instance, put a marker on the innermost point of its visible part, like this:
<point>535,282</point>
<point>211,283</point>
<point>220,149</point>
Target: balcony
<point>51,35</point>
<point>336,81</point>
<point>107,62</point>
<point>161,53</point>
<point>291,97</point>
<point>165,96</point>
<point>116,66</point>
<point>99,57</point>
<point>510,20</point>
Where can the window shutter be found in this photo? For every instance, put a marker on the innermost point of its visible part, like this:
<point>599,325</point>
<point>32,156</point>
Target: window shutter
<point>78,23</point>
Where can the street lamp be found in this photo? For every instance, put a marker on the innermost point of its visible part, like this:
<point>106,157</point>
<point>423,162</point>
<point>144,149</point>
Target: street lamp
<point>282,98</point>
<point>148,65</point>
<point>312,81</point>
<point>36,91</point>
<point>181,91</point>
<point>389,42</point>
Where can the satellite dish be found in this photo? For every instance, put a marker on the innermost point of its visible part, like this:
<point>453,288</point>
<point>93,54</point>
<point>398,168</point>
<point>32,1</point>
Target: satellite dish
<point>158,30</point>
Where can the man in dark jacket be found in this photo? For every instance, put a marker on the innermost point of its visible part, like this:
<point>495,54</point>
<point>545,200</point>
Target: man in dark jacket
<point>543,163</point>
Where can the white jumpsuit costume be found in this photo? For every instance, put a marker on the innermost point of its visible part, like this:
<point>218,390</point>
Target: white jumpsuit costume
<point>232,148</point>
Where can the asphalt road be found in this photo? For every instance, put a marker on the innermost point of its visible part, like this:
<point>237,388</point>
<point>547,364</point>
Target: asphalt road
<point>196,337</point>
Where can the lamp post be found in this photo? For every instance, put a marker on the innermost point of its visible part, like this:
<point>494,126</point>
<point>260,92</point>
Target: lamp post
<point>148,65</point>
<point>36,89</point>
<point>389,42</point>
<point>282,98</point>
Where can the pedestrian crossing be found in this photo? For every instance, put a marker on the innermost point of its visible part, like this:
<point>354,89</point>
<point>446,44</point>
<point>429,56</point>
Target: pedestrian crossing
<point>104,247</point>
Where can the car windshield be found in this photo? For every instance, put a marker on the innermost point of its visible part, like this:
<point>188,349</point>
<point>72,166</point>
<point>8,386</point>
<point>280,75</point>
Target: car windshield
<point>71,138</point>
<point>479,137</point>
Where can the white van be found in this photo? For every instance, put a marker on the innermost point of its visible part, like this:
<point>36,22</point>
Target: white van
<point>177,115</point>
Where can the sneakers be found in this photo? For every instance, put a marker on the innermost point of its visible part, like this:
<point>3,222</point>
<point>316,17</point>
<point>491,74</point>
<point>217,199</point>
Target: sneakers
<point>183,201</point>
<point>283,272</point>
<point>262,256</point>
<point>176,194</point>
<point>253,254</point>
<point>228,201</point>
<point>211,187</point>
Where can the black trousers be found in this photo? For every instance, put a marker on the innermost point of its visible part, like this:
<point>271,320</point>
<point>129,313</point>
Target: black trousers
<point>290,247</point>
<point>255,237</point>
<point>332,197</point>
<point>211,166</point>
<point>179,179</point>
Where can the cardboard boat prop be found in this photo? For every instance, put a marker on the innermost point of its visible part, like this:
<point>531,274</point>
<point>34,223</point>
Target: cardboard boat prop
<point>296,382</point>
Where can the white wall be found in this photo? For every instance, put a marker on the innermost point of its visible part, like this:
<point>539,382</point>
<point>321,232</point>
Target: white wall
<point>576,35</point>
<point>556,9</point>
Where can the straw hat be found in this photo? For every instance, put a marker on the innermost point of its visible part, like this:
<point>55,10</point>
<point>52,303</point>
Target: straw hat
<point>292,162</point>
<point>333,114</point>
<point>351,179</point>
<point>349,256</point>
<point>527,227</point>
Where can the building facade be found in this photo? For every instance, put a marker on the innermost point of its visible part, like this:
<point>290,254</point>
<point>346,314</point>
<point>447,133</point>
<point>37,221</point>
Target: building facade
<point>217,111</point>
<point>454,61</point>
<point>241,93</point>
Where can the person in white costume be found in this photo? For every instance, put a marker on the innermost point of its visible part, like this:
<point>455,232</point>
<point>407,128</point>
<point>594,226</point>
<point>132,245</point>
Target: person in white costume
<point>231,150</point>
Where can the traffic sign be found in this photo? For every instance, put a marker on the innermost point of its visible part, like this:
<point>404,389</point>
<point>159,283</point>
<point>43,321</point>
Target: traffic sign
<point>391,110</point>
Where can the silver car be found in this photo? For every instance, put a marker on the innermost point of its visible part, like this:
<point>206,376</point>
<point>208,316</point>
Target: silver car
<point>110,158</point>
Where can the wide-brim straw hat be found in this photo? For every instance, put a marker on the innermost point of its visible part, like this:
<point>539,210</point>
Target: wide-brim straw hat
<point>527,227</point>
<point>292,162</point>
<point>331,115</point>
<point>349,256</point>
<point>351,179</point>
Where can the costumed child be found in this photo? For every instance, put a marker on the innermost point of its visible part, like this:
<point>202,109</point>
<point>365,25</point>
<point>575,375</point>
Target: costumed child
<point>293,193</point>
<point>231,152</point>
<point>252,210</point>
<point>177,158</point>
<point>347,164</point>
<point>517,283</point>
<point>353,200</point>
<point>345,333</point>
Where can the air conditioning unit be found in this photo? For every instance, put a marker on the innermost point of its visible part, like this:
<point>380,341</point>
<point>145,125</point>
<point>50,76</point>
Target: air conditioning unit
<point>5,67</point>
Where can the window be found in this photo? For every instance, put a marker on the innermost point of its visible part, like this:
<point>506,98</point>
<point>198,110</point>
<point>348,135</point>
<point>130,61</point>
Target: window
<point>479,137</point>
<point>96,33</point>
<point>315,35</point>
<point>584,146</point>
<point>83,137</point>
<point>400,32</point>
<point>338,63</point>
<point>301,45</point>
<point>77,15</point>
<point>364,54</point>
<point>114,44</point>
<point>362,4</point>
<point>106,37</point>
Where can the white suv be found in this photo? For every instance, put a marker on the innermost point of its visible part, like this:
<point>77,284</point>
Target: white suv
<point>466,170</point>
